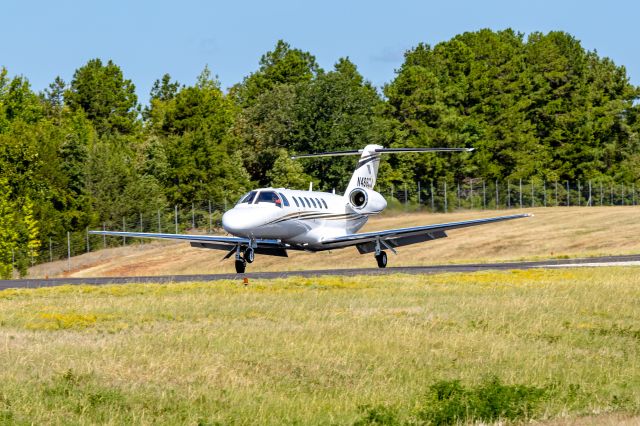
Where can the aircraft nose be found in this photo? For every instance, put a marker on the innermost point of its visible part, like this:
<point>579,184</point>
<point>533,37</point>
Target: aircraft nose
<point>239,221</point>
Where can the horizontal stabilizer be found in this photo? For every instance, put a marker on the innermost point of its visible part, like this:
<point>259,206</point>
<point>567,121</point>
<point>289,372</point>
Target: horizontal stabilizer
<point>381,151</point>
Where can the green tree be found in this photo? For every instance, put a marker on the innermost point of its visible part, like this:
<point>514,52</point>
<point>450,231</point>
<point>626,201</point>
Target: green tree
<point>107,98</point>
<point>8,235</point>
<point>282,65</point>
<point>288,173</point>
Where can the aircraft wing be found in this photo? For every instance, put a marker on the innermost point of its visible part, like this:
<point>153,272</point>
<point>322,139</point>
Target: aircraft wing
<point>216,242</point>
<point>366,242</point>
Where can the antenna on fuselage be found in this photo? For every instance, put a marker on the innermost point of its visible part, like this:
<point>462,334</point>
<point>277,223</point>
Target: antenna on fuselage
<point>310,186</point>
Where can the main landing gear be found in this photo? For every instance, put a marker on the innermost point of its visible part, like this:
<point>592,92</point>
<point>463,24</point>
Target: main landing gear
<point>381,258</point>
<point>248,256</point>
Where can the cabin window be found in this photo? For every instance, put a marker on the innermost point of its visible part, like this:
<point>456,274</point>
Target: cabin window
<point>295,200</point>
<point>319,205</point>
<point>325,203</point>
<point>247,198</point>
<point>314,204</point>
<point>306,200</point>
<point>284,199</point>
<point>269,197</point>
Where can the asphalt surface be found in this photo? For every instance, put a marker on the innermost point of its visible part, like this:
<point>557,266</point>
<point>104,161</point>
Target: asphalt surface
<point>417,270</point>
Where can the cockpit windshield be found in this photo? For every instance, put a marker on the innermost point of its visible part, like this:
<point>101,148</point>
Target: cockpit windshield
<point>269,197</point>
<point>248,198</point>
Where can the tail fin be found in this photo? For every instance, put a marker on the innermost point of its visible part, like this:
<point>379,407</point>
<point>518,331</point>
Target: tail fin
<point>367,169</point>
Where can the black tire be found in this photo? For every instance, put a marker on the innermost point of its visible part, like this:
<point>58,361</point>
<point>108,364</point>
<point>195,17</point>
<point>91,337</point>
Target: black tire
<point>249,255</point>
<point>241,265</point>
<point>382,259</point>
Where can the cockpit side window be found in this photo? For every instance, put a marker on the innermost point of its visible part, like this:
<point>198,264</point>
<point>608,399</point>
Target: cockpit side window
<point>269,197</point>
<point>284,199</point>
<point>247,198</point>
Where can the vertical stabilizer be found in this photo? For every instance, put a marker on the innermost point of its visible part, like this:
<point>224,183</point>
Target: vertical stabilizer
<point>366,171</point>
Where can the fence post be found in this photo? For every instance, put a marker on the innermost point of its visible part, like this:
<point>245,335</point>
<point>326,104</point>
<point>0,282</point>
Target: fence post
<point>141,227</point>
<point>484,195</point>
<point>533,203</point>
<point>508,194</point>
<point>556,185</point>
<point>124,229</point>
<point>88,247</point>
<point>520,193</point>
<point>579,194</point>
<point>458,195</point>
<point>497,196</point>
<point>590,202</point>
<point>159,223</point>
<point>193,216</point>
<point>601,194</point>
<point>633,194</point>
<point>471,193</point>
<point>568,195</point>
<point>445,197</point>
<point>611,193</point>
<point>406,196</point>
<point>622,196</point>
<point>210,217</point>
<point>104,237</point>
<point>50,251</point>
<point>68,252</point>
<point>175,216</point>
<point>419,195</point>
<point>544,193</point>
<point>433,206</point>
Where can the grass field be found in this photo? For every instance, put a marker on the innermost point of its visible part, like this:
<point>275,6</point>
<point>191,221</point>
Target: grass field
<point>548,345</point>
<point>552,232</point>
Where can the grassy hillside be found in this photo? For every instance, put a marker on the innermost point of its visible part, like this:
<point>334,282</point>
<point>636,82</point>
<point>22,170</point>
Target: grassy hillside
<point>546,344</point>
<point>552,232</point>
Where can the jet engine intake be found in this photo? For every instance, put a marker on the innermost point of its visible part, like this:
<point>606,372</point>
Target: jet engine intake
<point>366,201</point>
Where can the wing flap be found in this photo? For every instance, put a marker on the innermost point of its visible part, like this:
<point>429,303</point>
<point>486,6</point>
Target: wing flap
<point>216,242</point>
<point>370,246</point>
<point>405,236</point>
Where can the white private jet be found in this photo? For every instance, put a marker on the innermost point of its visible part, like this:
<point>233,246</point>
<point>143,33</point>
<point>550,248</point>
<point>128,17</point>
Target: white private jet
<point>271,221</point>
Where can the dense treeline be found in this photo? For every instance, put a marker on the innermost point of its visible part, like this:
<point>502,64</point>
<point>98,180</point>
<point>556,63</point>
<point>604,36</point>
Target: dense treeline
<point>84,152</point>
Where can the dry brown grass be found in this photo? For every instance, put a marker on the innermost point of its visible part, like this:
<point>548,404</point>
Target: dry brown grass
<point>552,232</point>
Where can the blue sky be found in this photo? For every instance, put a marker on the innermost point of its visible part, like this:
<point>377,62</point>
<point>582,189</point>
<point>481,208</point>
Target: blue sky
<point>42,39</point>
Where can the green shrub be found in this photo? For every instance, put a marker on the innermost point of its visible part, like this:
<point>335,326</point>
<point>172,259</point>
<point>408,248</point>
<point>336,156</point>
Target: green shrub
<point>377,415</point>
<point>448,402</point>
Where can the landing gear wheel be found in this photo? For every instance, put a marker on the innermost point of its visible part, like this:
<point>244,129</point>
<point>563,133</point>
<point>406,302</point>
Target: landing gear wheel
<point>249,255</point>
<point>241,265</point>
<point>382,259</point>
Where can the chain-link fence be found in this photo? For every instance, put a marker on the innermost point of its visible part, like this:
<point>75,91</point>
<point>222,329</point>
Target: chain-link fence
<point>447,196</point>
<point>430,195</point>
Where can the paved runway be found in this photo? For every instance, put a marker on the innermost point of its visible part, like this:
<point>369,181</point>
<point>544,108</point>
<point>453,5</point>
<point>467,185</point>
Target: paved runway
<point>434,269</point>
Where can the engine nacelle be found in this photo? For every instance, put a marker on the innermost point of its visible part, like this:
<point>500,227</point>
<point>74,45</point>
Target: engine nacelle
<point>366,201</point>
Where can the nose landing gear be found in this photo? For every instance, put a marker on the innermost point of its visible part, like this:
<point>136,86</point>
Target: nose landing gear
<point>248,256</point>
<point>241,265</point>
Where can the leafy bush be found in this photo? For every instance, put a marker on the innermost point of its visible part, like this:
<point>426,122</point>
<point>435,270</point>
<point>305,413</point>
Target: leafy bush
<point>448,402</point>
<point>377,415</point>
